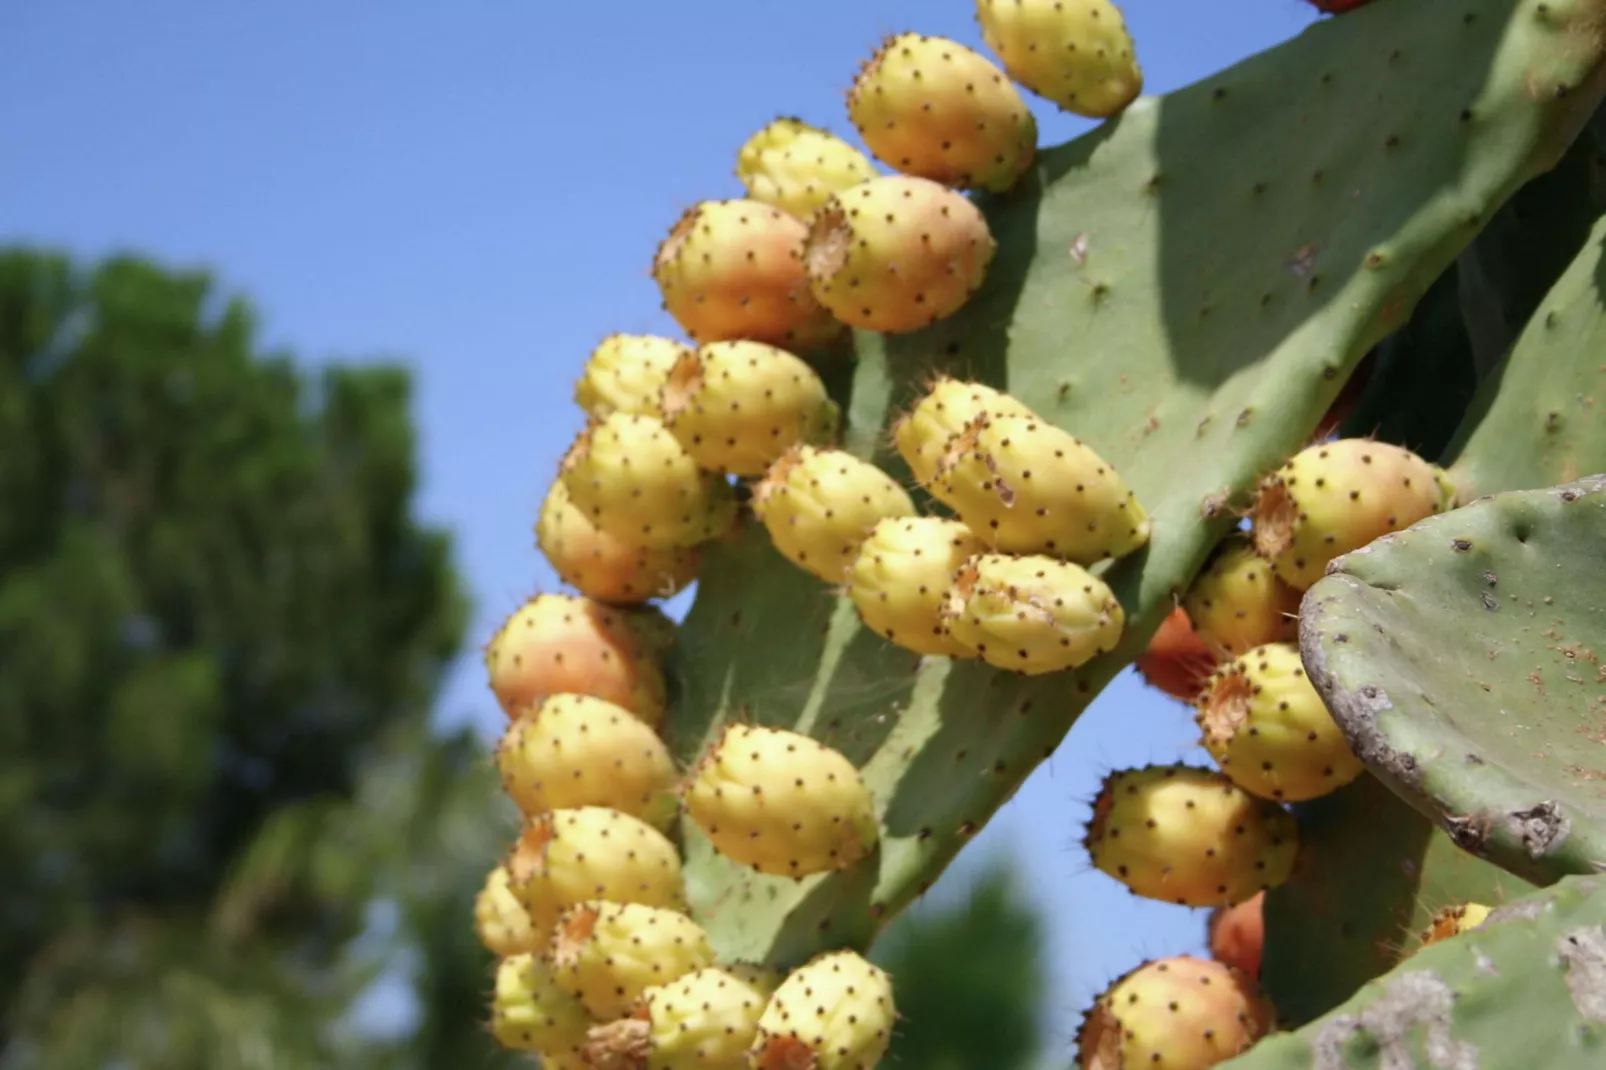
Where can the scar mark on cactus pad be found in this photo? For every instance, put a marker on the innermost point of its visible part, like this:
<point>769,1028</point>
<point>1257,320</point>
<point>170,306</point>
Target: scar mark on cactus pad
<point>1583,954</point>
<point>1412,1001</point>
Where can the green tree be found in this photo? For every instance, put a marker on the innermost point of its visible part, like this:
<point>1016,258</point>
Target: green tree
<point>221,634</point>
<point>969,978</point>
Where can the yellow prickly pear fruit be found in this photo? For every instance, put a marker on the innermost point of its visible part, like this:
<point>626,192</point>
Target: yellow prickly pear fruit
<point>603,566</point>
<point>818,505</point>
<point>531,1012</point>
<point>781,802</point>
<point>922,434</point>
<point>1237,603</point>
<point>1028,487</point>
<point>1269,730</point>
<point>897,253</point>
<point>1191,836</point>
<point>704,1020</point>
<point>931,107</point>
<point>567,644</point>
<point>1452,921</point>
<point>835,1012</point>
<point>608,953</point>
<point>736,407</point>
<point>1032,614</point>
<point>734,269</point>
<point>625,372</point>
<point>1335,497</point>
<point>796,167</point>
<point>632,480</point>
<point>500,921</point>
<point>1180,1013</point>
<point>900,576</point>
<point>574,751</point>
<point>591,852</point>
<point>1076,53</point>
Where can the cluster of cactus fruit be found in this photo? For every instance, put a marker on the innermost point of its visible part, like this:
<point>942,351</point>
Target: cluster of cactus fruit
<point>705,854</point>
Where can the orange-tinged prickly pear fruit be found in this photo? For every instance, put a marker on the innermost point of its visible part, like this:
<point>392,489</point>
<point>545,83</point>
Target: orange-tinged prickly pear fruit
<point>1237,934</point>
<point>1180,1013</point>
<point>568,644</point>
<point>734,269</point>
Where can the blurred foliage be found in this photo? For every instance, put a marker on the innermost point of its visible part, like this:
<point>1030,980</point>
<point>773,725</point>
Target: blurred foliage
<point>970,977</point>
<point>221,632</point>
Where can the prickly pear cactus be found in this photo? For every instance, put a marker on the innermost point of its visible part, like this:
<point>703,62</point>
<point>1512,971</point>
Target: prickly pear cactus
<point>1462,659</point>
<point>922,553</point>
<point>1126,305</point>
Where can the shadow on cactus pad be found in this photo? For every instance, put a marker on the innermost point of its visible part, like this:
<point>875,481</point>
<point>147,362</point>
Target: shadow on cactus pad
<point>1463,659</point>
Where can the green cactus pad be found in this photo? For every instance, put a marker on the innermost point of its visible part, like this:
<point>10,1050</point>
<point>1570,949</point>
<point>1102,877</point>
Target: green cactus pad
<point>1370,875</point>
<point>1525,988</point>
<point>1541,417</point>
<point>1186,288</point>
<point>1462,657</point>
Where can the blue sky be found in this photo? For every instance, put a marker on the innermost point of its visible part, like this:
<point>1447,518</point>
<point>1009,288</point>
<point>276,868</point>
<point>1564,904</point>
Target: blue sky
<point>477,189</point>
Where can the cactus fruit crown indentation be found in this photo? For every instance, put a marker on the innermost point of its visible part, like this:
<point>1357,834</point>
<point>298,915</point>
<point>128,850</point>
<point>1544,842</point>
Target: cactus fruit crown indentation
<point>829,242</point>
<point>681,385</point>
<point>1275,515</point>
<point>1224,705</point>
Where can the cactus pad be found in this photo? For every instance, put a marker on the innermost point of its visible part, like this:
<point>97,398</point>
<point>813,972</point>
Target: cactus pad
<point>1462,658</point>
<point>1525,988</point>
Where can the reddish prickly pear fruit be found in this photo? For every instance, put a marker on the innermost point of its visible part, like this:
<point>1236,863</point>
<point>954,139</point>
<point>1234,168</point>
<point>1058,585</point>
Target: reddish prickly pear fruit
<point>1237,934</point>
<point>1076,53</point>
<point>922,434</point>
<point>608,953</point>
<point>1028,487</point>
<point>1335,497</point>
<point>781,802</point>
<point>1177,660</point>
<point>563,644</point>
<point>818,505</point>
<point>1269,730</point>
<point>531,1012</point>
<point>1180,1013</point>
<point>835,1012</point>
<point>704,1020</point>
<point>1191,836</point>
<point>574,751</point>
<point>499,921</point>
<point>931,107</point>
<point>1452,921</point>
<point>1032,614</point>
<point>900,576</point>
<point>632,480</point>
<point>897,253</point>
<point>1237,603</point>
<point>734,269</point>
<point>625,372</point>
<point>796,167</point>
<point>603,566</point>
<point>736,407</point>
<point>591,852</point>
